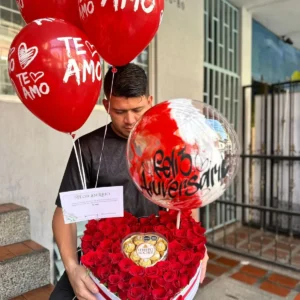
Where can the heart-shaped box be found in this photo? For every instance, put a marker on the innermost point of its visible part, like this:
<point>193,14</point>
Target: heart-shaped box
<point>118,277</point>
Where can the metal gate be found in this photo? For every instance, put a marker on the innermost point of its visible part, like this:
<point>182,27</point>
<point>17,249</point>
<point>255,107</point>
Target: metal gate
<point>267,224</point>
<point>221,83</point>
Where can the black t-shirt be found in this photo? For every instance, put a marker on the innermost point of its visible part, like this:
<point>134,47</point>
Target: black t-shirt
<point>113,170</point>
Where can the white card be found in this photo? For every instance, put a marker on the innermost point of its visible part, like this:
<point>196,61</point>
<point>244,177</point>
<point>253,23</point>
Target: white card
<point>83,205</point>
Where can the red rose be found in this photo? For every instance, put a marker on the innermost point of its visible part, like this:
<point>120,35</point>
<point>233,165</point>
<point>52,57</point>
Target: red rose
<point>176,284</point>
<point>185,224</point>
<point>122,295</point>
<point>163,265</point>
<point>101,225</point>
<point>114,279</point>
<point>86,247</point>
<point>97,238</point>
<point>162,230</point>
<point>184,280</point>
<point>136,293</point>
<point>170,276</point>
<point>198,230</point>
<point>89,259</point>
<point>154,284</point>
<point>161,282</point>
<point>135,270</point>
<point>137,281</point>
<point>186,244</point>
<point>135,228</point>
<point>175,266</point>
<point>116,247</point>
<point>87,237</point>
<point>113,287</point>
<point>103,272</point>
<point>125,276</point>
<point>198,256</point>
<point>180,233</point>
<point>124,286</point>
<point>144,221</point>
<point>152,272</point>
<point>167,217</point>
<point>115,257</point>
<point>193,238</point>
<point>183,270</point>
<point>186,214</point>
<point>192,270</point>
<point>125,264</point>
<point>105,244</point>
<point>185,257</point>
<point>154,220</point>
<point>123,230</point>
<point>108,230</point>
<point>115,236</point>
<point>146,228</point>
<point>91,226</point>
<point>201,248</point>
<point>175,247</point>
<point>159,294</point>
<point>171,226</point>
<point>103,257</point>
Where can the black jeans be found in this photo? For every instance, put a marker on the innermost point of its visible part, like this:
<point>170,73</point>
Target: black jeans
<point>63,289</point>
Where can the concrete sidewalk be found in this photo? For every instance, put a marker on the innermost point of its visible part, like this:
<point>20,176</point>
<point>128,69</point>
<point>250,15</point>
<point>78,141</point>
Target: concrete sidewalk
<point>230,289</point>
<point>232,277</point>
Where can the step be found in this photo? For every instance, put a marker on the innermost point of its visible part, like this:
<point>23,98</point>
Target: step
<point>23,267</point>
<point>42,293</point>
<point>14,224</point>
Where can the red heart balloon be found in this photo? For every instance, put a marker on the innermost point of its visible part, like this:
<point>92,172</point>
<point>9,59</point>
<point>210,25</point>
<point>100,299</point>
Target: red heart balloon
<point>56,73</point>
<point>120,29</point>
<point>60,9</point>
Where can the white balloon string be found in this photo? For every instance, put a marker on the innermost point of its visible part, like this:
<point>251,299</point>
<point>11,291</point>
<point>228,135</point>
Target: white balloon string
<point>106,125</point>
<point>83,172</point>
<point>78,164</point>
<point>178,219</point>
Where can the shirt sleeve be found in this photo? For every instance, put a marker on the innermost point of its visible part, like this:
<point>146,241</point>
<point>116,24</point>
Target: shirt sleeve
<point>71,180</point>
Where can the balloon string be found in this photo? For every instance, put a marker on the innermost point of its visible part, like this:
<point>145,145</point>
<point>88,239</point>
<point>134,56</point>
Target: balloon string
<point>82,166</point>
<point>79,167</point>
<point>178,219</point>
<point>114,70</point>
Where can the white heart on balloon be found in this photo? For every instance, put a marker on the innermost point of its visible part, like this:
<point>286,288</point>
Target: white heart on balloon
<point>26,55</point>
<point>92,48</point>
<point>36,76</point>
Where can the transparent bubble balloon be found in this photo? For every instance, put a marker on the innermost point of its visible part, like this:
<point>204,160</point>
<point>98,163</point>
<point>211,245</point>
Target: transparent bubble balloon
<point>183,154</point>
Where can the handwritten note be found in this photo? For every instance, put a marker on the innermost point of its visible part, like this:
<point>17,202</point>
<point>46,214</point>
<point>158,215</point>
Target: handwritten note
<point>83,205</point>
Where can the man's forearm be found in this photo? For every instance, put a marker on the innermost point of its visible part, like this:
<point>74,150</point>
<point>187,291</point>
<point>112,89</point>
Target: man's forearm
<point>66,239</point>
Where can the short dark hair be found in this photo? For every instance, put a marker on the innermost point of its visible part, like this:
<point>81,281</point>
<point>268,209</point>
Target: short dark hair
<point>129,81</point>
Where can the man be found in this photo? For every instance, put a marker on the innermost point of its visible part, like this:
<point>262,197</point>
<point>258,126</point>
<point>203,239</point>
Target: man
<point>130,99</point>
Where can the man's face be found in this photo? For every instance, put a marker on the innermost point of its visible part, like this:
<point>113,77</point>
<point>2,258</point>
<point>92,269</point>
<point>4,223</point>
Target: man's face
<point>125,112</point>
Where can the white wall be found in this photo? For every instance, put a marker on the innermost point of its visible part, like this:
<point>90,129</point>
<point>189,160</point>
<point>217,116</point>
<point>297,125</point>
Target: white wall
<point>180,51</point>
<point>33,159</point>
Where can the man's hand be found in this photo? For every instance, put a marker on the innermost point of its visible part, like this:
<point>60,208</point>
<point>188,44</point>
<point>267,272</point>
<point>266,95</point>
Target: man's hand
<point>204,266</point>
<point>82,284</point>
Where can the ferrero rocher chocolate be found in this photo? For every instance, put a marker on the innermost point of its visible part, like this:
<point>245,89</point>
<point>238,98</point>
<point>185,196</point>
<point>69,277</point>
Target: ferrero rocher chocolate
<point>145,249</point>
<point>129,247</point>
<point>145,262</point>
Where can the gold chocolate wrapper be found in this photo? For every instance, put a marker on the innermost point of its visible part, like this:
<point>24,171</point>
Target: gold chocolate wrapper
<point>145,249</point>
